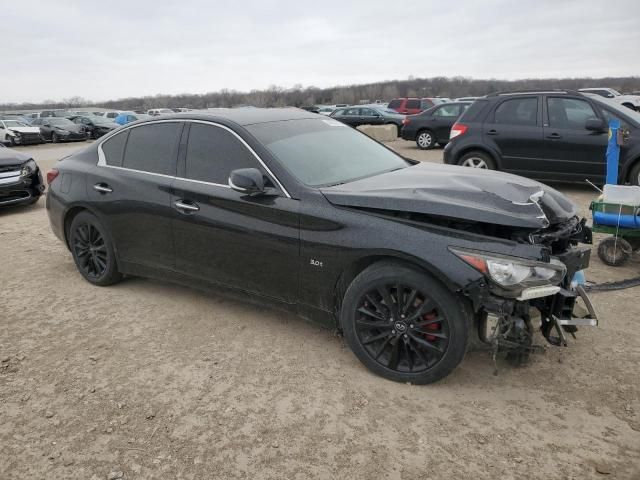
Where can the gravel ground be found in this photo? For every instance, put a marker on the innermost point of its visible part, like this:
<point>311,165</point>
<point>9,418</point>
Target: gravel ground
<point>151,380</point>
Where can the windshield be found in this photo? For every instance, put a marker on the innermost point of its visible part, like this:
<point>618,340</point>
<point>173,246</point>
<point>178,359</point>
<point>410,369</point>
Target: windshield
<point>14,123</point>
<point>59,121</point>
<point>325,152</point>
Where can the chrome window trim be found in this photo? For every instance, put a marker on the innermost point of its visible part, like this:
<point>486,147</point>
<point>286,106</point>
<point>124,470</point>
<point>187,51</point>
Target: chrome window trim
<point>102,162</point>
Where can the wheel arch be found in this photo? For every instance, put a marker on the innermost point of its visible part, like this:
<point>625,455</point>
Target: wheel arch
<point>628,168</point>
<point>353,269</point>
<point>482,149</point>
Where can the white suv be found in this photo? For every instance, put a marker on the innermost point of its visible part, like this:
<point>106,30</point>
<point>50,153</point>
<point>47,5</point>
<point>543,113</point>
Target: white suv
<point>631,101</point>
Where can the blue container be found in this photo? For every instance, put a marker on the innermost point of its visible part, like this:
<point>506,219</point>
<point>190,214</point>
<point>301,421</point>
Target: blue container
<point>616,220</point>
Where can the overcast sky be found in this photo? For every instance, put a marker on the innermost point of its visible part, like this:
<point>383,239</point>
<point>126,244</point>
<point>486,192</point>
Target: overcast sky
<point>115,49</point>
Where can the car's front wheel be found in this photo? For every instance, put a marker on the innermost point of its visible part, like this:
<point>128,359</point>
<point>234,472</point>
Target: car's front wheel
<point>92,250</point>
<point>477,160</point>
<point>404,325</point>
<point>54,138</point>
<point>425,140</point>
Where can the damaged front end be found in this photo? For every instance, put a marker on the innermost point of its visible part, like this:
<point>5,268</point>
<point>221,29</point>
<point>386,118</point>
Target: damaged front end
<point>516,293</point>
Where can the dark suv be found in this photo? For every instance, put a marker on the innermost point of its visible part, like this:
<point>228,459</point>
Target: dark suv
<point>549,135</point>
<point>432,126</point>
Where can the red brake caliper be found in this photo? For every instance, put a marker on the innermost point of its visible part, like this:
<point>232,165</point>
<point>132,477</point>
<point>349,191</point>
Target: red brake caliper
<point>432,326</point>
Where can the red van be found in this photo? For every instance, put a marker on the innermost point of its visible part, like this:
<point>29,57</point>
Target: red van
<point>411,106</point>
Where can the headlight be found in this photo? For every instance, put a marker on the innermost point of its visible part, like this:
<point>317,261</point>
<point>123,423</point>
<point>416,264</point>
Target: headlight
<point>28,168</point>
<point>513,273</point>
<point>17,134</point>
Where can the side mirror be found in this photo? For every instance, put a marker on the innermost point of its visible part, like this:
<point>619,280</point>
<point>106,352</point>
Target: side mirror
<point>247,180</point>
<point>595,125</point>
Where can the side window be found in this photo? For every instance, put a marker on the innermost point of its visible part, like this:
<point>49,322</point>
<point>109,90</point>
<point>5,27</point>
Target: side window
<point>353,112</point>
<point>367,112</point>
<point>338,113</point>
<point>113,149</point>
<point>394,104</point>
<point>450,111</point>
<point>413,104</point>
<point>152,148</point>
<point>518,111</point>
<point>569,112</point>
<point>213,152</point>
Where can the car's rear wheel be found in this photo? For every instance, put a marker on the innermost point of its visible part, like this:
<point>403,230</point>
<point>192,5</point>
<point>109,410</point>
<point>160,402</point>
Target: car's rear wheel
<point>93,251</point>
<point>425,140</point>
<point>404,325</point>
<point>634,176</point>
<point>477,160</point>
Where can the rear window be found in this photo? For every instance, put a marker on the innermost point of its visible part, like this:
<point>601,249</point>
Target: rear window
<point>518,111</point>
<point>395,103</point>
<point>113,149</point>
<point>152,148</point>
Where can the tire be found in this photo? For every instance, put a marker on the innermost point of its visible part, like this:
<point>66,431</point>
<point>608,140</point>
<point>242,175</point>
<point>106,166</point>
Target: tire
<point>54,138</point>
<point>634,175</point>
<point>477,159</point>
<point>614,251</point>
<point>425,140</point>
<point>93,251</point>
<point>12,141</point>
<point>419,350</point>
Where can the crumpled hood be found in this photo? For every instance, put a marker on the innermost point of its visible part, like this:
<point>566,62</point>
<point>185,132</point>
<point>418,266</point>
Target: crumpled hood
<point>458,192</point>
<point>11,157</point>
<point>25,129</point>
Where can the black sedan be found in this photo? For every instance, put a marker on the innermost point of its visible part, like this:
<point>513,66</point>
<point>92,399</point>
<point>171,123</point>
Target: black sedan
<point>58,129</point>
<point>432,126</point>
<point>366,115</point>
<point>20,178</point>
<point>95,126</point>
<point>294,209</point>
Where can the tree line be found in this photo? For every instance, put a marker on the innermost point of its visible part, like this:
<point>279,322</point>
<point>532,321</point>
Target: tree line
<point>299,95</point>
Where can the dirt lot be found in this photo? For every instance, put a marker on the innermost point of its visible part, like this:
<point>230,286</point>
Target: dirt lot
<point>158,381</point>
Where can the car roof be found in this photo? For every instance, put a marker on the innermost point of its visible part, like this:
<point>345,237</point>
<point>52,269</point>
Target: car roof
<point>249,116</point>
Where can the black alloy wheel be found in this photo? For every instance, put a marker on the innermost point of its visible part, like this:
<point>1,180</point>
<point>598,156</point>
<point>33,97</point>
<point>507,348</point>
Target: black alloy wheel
<point>401,328</point>
<point>92,250</point>
<point>403,324</point>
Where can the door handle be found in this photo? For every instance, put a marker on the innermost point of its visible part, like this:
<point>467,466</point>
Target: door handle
<point>554,136</point>
<point>186,207</point>
<point>102,188</point>
<point>492,132</point>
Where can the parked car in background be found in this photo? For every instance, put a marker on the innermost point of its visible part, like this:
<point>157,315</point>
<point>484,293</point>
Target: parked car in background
<point>57,113</point>
<point>94,125</point>
<point>466,99</point>
<point>58,129</point>
<point>629,101</point>
<point>356,116</point>
<point>408,259</point>
<point>181,110</point>
<point>411,106</point>
<point>13,132</point>
<point>112,115</point>
<point>20,178</point>
<point>432,126</point>
<point>326,109</point>
<point>547,135</point>
<point>128,117</point>
<point>154,112</point>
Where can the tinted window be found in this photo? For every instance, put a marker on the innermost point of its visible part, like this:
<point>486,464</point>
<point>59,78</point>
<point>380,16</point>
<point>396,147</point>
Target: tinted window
<point>367,112</point>
<point>337,113</point>
<point>518,111</point>
<point>113,149</point>
<point>413,104</point>
<point>569,112</point>
<point>152,148</point>
<point>394,104</point>
<point>213,152</point>
<point>352,112</point>
<point>447,111</point>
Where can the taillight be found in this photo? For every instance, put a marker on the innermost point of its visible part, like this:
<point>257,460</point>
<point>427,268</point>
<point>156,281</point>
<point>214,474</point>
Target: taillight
<point>51,175</point>
<point>457,130</point>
